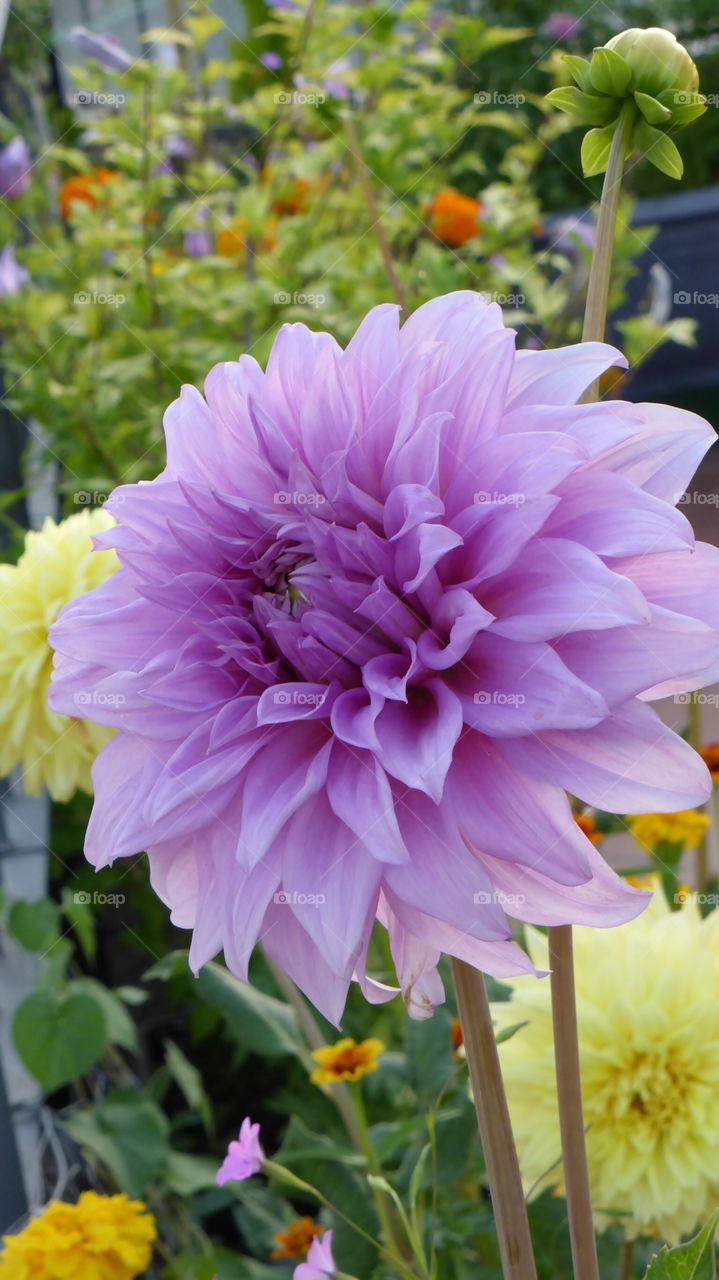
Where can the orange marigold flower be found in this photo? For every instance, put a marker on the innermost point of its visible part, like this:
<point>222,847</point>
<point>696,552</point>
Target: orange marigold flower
<point>296,1240</point>
<point>83,187</point>
<point>345,1060</point>
<point>455,1034</point>
<point>292,199</point>
<point>710,756</point>
<point>586,823</point>
<point>454,218</point>
<point>231,241</point>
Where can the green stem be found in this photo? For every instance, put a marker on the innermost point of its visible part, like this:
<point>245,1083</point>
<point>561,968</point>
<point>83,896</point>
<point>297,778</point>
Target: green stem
<point>626,1261</point>
<point>495,1129</point>
<point>386,1218</point>
<point>695,739</point>
<point>569,1096</point>
<point>595,313</point>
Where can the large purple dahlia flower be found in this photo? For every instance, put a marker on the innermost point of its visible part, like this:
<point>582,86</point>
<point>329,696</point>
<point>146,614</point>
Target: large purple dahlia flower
<point>383,608</point>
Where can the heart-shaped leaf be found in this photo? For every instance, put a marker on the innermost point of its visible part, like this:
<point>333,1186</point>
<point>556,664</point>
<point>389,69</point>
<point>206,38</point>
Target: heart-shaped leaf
<point>59,1036</point>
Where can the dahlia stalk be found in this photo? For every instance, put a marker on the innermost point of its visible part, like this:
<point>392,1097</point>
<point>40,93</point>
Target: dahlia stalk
<point>639,80</point>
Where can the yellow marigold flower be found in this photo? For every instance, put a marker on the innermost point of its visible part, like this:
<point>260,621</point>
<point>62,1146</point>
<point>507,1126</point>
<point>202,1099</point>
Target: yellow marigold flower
<point>295,1241</point>
<point>58,563</point>
<point>345,1060</point>
<point>648,1013</point>
<point>684,829</point>
<point>99,1238</point>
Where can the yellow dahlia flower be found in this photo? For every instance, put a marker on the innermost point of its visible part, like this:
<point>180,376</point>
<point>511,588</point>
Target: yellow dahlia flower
<point>683,829</point>
<point>99,1238</point>
<point>648,1012</point>
<point>58,563</point>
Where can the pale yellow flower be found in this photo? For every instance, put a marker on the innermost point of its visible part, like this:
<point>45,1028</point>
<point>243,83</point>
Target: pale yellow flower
<point>57,565</point>
<point>648,1011</point>
<point>99,1238</point>
<point>346,1060</point>
<point>684,829</point>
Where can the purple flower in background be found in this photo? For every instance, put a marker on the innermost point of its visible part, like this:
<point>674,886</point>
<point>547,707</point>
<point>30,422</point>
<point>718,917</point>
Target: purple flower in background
<point>271,60</point>
<point>244,1157</point>
<point>565,233</point>
<point>178,146</point>
<point>382,609</point>
<point>320,1262</point>
<point>14,169</point>
<point>561,26</point>
<point>106,50</point>
<point>198,241</point>
<point>12,275</point>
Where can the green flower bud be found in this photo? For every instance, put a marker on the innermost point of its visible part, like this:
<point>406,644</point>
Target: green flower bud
<point>644,78</point>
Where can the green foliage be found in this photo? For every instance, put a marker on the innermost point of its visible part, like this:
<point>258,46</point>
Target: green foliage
<point>695,1260</point>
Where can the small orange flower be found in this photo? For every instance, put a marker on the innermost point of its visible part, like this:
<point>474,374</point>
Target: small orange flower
<point>454,218</point>
<point>296,1240</point>
<point>455,1034</point>
<point>345,1060</point>
<point>292,199</point>
<point>83,187</point>
<point>610,383</point>
<point>710,756</point>
<point>586,823</point>
<point>231,241</point>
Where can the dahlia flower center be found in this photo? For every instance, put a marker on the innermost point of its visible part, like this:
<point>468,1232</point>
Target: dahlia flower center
<point>649,1086</point>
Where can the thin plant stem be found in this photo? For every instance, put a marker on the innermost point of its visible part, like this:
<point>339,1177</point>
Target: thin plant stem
<point>695,738</point>
<point>569,1094</point>
<point>384,1213</point>
<point>595,312</point>
<point>626,1261</point>
<point>376,226</point>
<point>495,1129</point>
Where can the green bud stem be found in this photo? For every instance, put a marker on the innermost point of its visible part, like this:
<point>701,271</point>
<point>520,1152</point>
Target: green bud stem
<point>595,315</point>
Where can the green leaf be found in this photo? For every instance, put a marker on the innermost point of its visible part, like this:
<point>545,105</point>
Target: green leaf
<point>585,108</point>
<point>507,1032</point>
<point>415,1182</point>
<point>658,149</point>
<point>120,1027</point>
<point>82,920</point>
<point>189,1082</point>
<point>578,69</point>
<point>128,1133</point>
<point>596,146</point>
<point>684,106</point>
<point>35,925</point>
<point>692,1261</point>
<point>59,1037</point>
<point>652,109</point>
<point>609,73</point>
<point>257,1021</point>
<point>186,1174</point>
